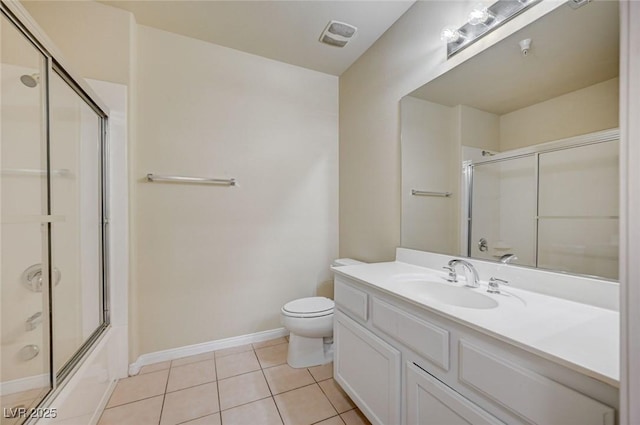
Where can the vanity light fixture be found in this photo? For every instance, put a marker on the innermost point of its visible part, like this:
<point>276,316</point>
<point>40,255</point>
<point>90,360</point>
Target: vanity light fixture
<point>482,20</point>
<point>451,35</point>
<point>480,15</point>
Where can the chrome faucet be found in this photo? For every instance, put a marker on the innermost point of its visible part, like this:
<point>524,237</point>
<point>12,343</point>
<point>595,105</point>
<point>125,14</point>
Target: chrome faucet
<point>473,273</point>
<point>508,258</point>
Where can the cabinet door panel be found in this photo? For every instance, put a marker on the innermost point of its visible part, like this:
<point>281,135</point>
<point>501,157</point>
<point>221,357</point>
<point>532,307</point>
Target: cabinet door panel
<point>425,338</point>
<point>368,369</point>
<point>533,397</point>
<point>350,299</point>
<point>430,402</point>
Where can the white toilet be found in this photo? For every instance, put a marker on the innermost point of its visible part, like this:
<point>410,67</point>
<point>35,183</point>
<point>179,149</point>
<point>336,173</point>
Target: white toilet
<point>310,325</point>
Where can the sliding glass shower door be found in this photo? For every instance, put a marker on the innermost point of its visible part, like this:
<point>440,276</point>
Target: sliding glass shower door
<point>24,255</point>
<point>53,203</point>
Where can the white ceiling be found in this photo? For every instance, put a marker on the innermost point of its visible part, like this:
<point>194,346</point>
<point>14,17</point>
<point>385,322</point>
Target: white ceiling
<point>570,50</point>
<point>286,31</point>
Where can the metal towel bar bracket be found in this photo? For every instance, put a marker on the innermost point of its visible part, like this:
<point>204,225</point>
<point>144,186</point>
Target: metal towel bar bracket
<point>184,179</point>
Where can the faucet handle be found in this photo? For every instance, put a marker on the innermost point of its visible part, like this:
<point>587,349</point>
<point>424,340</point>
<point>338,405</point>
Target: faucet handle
<point>453,276</point>
<point>494,285</point>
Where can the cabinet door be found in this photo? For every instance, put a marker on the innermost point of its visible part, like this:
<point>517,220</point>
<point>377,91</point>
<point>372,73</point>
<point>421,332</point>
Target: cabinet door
<point>368,369</point>
<point>430,402</point>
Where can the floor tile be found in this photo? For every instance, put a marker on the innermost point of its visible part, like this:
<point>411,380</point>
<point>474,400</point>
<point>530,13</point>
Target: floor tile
<point>155,367</point>
<point>16,398</point>
<point>192,359</point>
<point>234,350</point>
<point>338,398</point>
<point>192,403</point>
<point>206,420</point>
<point>261,412</point>
<point>272,356</point>
<point>139,387</point>
<point>354,417</point>
<point>284,378</point>
<point>336,420</point>
<point>304,406</point>
<point>242,389</point>
<point>192,374</point>
<point>269,343</point>
<point>320,373</point>
<point>144,412</point>
<point>236,364</point>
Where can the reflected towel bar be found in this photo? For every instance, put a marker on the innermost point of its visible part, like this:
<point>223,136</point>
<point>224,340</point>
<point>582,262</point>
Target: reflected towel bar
<point>423,193</point>
<point>183,179</point>
<point>30,172</point>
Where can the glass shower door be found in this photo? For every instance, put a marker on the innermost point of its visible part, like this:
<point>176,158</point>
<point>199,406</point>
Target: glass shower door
<point>578,210</point>
<point>76,240</point>
<point>25,219</point>
<point>503,208</point>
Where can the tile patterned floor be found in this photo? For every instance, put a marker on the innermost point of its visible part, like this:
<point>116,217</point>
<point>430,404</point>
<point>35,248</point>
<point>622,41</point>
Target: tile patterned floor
<point>247,385</point>
<point>24,399</point>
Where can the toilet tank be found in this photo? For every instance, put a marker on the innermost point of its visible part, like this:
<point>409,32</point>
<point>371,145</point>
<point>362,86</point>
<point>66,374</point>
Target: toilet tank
<point>345,262</point>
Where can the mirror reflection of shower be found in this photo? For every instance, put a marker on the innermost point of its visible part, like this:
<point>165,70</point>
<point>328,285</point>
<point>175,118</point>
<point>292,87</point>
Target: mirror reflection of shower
<point>30,80</point>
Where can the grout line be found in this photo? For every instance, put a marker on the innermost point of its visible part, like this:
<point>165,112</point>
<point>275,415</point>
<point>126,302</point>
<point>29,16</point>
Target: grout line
<point>330,417</point>
<point>240,374</point>
<point>215,368</point>
<point>244,404</point>
<point>188,364</point>
<point>328,399</point>
<point>133,401</point>
<point>164,396</point>
<point>270,390</point>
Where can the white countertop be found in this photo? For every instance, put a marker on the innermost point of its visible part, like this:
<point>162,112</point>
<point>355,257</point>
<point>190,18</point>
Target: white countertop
<point>579,336</point>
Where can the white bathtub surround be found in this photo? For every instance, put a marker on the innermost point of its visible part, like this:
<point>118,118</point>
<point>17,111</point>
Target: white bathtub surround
<point>205,347</point>
<point>577,334</point>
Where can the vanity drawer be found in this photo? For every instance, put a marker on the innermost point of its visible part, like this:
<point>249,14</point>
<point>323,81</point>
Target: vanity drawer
<point>353,300</point>
<point>426,339</point>
<point>531,396</point>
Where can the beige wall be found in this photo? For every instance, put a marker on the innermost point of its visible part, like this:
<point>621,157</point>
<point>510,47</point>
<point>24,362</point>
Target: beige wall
<point>582,111</point>
<point>214,261</point>
<point>94,38</point>
<point>407,56</point>
<point>403,59</point>
<point>430,150</point>
<point>479,129</point>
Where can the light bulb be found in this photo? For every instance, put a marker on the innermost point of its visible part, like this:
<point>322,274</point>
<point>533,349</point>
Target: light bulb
<point>451,35</point>
<point>479,15</point>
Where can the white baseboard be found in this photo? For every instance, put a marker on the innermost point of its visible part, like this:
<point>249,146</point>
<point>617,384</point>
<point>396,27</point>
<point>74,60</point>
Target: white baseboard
<point>205,347</point>
<point>24,384</point>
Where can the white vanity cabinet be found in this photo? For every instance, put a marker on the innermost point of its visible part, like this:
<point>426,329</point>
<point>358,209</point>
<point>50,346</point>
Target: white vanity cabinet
<point>405,364</point>
<point>368,369</point>
<point>429,401</point>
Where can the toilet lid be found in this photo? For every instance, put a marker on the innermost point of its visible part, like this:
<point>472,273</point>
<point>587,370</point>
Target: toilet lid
<point>309,307</point>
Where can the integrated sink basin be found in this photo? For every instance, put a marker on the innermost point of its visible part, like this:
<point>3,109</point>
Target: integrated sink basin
<point>458,296</point>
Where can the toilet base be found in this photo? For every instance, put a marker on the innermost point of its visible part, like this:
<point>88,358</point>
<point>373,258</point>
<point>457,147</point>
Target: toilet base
<point>308,352</point>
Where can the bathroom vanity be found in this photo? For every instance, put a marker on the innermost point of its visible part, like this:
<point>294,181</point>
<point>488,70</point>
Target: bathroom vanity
<point>412,348</point>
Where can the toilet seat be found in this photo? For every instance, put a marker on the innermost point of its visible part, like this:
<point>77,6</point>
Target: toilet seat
<point>308,307</point>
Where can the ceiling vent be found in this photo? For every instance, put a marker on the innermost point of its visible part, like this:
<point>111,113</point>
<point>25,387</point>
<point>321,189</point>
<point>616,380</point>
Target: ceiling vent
<point>337,33</point>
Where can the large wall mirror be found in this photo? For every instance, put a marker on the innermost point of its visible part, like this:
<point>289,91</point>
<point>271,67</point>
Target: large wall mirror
<point>513,156</point>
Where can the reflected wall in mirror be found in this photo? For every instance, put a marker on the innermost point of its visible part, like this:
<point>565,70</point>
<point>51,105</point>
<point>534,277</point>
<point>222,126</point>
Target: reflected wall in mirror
<point>527,147</point>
